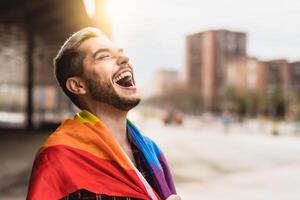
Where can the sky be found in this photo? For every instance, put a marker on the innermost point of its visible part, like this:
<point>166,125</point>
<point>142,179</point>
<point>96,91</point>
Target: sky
<point>153,32</point>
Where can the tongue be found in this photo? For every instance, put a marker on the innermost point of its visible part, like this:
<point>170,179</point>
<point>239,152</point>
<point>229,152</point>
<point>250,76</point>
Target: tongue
<point>125,82</point>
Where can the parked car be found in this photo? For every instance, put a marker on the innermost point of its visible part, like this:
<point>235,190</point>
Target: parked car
<point>173,117</point>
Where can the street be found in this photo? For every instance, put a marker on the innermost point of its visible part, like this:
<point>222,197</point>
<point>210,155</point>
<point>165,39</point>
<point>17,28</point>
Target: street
<point>209,164</point>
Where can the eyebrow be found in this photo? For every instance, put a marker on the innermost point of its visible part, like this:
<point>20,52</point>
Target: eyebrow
<point>120,50</point>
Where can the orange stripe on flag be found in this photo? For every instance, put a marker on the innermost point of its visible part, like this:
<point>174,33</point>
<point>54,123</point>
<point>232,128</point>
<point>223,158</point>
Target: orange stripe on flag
<point>94,139</point>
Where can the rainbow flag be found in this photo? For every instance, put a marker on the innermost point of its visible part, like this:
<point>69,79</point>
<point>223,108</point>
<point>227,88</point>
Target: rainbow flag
<point>82,154</point>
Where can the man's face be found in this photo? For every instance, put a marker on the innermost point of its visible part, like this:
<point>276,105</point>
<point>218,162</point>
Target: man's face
<point>108,74</point>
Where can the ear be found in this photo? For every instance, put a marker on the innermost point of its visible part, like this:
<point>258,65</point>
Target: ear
<point>76,85</point>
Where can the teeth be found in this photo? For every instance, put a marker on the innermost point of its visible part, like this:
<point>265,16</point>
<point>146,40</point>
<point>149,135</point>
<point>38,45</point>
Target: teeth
<point>122,75</point>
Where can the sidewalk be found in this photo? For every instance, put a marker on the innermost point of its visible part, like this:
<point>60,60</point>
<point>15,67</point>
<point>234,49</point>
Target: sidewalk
<point>278,183</point>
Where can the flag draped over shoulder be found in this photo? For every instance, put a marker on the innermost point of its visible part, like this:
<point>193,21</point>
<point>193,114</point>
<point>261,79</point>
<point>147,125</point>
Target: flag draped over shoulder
<point>82,154</point>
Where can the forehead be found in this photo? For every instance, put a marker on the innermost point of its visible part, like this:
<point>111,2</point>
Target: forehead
<point>91,45</point>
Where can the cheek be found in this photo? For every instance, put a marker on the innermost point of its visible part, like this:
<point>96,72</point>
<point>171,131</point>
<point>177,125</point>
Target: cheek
<point>104,74</point>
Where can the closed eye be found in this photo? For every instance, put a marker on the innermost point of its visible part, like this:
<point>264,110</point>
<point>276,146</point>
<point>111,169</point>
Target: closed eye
<point>102,56</point>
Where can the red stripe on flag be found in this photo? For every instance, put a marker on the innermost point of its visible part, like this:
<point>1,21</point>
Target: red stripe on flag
<point>60,170</point>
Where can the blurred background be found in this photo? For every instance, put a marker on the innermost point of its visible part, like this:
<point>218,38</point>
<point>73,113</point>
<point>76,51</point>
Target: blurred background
<point>220,82</point>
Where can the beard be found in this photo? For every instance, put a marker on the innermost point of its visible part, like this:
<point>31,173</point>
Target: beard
<point>105,93</point>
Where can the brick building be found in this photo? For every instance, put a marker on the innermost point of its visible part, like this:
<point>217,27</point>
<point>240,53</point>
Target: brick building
<point>294,74</point>
<point>246,74</point>
<point>206,56</point>
<point>268,76</point>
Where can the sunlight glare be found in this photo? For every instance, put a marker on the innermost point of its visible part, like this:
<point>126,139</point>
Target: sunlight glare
<point>90,7</point>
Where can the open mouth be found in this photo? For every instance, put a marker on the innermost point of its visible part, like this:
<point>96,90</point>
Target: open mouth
<point>125,79</point>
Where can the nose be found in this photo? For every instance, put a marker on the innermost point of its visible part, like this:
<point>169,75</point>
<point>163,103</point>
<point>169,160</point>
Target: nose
<point>122,59</point>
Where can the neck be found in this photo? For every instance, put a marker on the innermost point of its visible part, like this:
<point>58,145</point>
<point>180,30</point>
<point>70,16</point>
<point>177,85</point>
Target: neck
<point>113,118</point>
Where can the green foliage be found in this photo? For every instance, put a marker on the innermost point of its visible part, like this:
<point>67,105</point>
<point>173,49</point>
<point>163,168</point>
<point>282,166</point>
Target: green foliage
<point>250,103</point>
<point>294,108</point>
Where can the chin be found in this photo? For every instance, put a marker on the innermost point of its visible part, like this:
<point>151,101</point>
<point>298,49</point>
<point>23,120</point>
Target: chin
<point>127,104</point>
<point>130,98</point>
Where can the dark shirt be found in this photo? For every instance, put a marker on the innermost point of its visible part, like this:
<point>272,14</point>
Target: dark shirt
<point>141,165</point>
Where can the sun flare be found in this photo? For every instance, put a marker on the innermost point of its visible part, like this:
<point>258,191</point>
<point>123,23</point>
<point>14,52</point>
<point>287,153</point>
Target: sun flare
<point>90,7</point>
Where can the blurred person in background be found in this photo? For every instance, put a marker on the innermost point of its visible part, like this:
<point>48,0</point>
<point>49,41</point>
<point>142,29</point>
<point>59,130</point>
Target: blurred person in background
<point>226,119</point>
<point>98,154</point>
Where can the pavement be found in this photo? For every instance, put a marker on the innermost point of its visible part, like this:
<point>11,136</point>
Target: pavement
<point>276,183</point>
<point>246,162</point>
<point>17,152</point>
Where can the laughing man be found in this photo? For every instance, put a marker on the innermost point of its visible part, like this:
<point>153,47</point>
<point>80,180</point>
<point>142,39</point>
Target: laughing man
<point>98,154</point>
